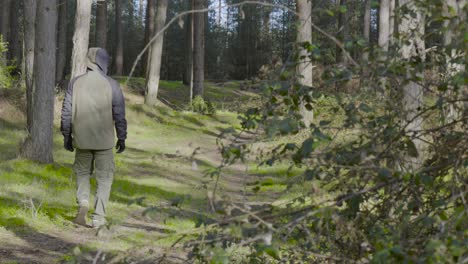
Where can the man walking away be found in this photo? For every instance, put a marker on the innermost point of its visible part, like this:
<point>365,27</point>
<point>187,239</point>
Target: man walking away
<point>93,105</point>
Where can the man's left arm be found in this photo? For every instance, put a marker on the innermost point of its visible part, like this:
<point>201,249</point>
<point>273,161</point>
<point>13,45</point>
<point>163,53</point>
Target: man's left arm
<point>118,114</point>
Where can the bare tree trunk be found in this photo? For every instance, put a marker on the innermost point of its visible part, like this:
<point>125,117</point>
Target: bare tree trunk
<point>39,144</point>
<point>101,24</point>
<point>198,49</point>
<point>343,35</point>
<point>62,41</point>
<point>391,24</point>
<point>188,75</point>
<point>454,12</point>
<point>384,25</point>
<point>81,37</point>
<point>28,39</point>
<point>15,41</point>
<point>366,29</point>
<point>154,71</point>
<point>304,66</point>
<point>5,20</point>
<point>119,30</point>
<point>149,30</point>
<point>412,47</point>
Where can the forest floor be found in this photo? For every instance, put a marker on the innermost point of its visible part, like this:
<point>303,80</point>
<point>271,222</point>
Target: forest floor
<point>159,189</point>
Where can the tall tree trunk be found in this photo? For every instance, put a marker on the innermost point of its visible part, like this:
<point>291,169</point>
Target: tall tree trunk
<point>412,48</point>
<point>101,24</point>
<point>39,144</point>
<point>366,29</point>
<point>454,12</point>
<point>28,39</point>
<point>149,30</point>
<point>188,75</point>
<point>384,25</point>
<point>62,41</point>
<point>391,23</point>
<point>119,30</point>
<point>5,20</point>
<point>304,66</point>
<point>198,49</point>
<point>81,37</point>
<point>343,35</point>
<point>15,41</point>
<point>154,71</point>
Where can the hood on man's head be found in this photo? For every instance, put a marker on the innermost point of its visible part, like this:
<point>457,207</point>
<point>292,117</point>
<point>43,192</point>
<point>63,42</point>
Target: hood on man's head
<point>98,57</point>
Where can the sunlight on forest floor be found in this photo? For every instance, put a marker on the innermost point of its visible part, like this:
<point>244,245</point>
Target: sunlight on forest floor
<point>157,190</point>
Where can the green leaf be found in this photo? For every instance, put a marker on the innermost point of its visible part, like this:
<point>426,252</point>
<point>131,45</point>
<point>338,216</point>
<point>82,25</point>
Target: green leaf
<point>272,252</point>
<point>365,108</point>
<point>385,173</point>
<point>411,148</point>
<point>324,123</point>
<point>329,12</point>
<point>307,147</point>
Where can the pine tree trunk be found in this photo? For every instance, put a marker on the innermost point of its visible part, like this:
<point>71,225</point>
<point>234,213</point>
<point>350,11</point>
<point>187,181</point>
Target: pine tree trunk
<point>188,74</point>
<point>81,37</point>
<point>412,48</point>
<point>154,71</point>
<point>39,144</point>
<point>384,25</point>
<point>101,24</point>
<point>5,20</point>
<point>62,41</point>
<point>15,41</point>
<point>304,66</point>
<point>366,29</point>
<point>391,22</point>
<point>149,30</point>
<point>198,49</point>
<point>119,32</point>
<point>28,39</point>
<point>343,35</point>
<point>454,12</point>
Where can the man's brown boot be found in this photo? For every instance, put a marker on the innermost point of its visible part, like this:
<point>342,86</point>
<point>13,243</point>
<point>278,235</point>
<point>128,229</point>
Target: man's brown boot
<point>80,218</point>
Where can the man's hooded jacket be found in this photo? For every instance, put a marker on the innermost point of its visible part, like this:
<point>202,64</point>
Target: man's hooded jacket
<point>93,105</point>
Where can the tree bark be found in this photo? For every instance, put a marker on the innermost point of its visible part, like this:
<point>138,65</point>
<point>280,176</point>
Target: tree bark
<point>149,30</point>
<point>39,144</point>
<point>384,25</point>
<point>5,20</point>
<point>198,49</point>
<point>188,75</point>
<point>119,32</point>
<point>101,24</point>
<point>28,39</point>
<point>15,41</point>
<point>343,35</point>
<point>62,41</point>
<point>454,12</point>
<point>154,71</point>
<point>366,30</point>
<point>412,48</point>
<point>304,65</point>
<point>81,37</point>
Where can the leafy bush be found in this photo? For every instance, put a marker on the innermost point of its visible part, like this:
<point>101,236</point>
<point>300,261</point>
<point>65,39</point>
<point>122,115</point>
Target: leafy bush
<point>203,106</point>
<point>377,196</point>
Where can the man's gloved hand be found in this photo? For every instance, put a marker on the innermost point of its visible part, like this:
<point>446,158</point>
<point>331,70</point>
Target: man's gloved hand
<point>68,143</point>
<point>120,146</point>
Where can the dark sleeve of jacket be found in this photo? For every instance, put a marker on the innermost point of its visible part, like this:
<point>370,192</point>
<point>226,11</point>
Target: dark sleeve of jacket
<point>118,110</point>
<point>66,119</point>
